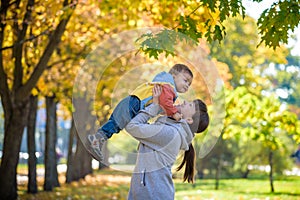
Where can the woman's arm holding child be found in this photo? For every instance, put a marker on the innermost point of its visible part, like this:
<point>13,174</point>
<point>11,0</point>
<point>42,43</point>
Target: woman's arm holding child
<point>153,135</point>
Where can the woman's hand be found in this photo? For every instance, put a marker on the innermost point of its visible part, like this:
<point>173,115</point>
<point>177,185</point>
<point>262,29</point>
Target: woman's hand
<point>156,92</point>
<point>177,116</point>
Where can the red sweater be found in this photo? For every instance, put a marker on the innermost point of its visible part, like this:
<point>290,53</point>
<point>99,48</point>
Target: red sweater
<point>166,100</point>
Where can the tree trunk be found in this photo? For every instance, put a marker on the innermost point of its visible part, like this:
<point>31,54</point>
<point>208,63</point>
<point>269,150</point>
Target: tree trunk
<point>14,127</point>
<point>15,100</point>
<point>81,162</point>
<point>271,171</point>
<point>32,160</point>
<point>69,173</point>
<point>219,161</point>
<point>246,173</point>
<point>218,172</point>
<point>51,175</point>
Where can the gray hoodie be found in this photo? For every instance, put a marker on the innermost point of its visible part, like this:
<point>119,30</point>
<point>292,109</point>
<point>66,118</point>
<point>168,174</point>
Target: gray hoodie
<point>159,146</point>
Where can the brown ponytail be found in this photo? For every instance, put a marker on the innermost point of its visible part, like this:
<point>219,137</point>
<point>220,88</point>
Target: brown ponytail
<point>200,123</point>
<point>189,162</point>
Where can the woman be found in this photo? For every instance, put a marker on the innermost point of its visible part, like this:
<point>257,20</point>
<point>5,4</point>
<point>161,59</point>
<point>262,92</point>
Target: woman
<point>159,146</point>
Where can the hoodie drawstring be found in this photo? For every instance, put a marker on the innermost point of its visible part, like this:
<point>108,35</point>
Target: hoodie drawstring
<point>143,177</point>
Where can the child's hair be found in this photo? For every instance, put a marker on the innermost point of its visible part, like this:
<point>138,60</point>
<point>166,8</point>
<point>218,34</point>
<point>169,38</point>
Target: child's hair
<point>178,68</point>
<point>200,123</point>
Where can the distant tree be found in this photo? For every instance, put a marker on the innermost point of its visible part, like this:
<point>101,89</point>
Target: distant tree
<point>80,161</point>
<point>246,61</point>
<point>51,174</point>
<point>70,157</point>
<point>251,119</point>
<point>16,87</point>
<point>262,119</point>
<point>32,159</point>
<point>286,80</point>
<point>271,124</point>
<point>206,19</point>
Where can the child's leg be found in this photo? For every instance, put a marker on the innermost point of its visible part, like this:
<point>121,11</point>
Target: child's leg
<point>121,116</point>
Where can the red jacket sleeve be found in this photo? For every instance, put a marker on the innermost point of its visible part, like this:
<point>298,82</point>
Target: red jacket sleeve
<point>166,100</point>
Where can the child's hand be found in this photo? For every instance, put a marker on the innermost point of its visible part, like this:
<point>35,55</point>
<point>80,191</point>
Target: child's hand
<point>177,116</point>
<point>156,92</point>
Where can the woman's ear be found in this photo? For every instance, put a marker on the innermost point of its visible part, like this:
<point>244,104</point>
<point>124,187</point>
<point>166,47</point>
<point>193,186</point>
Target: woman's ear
<point>189,120</point>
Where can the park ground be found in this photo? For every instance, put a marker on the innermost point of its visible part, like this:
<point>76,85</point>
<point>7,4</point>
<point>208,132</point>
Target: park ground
<point>111,184</point>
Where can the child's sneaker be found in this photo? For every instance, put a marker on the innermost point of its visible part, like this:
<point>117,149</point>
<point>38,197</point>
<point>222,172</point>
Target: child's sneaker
<point>96,143</point>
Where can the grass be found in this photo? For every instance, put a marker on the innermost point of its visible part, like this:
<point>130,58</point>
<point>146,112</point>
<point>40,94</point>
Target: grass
<point>101,185</point>
<point>239,189</point>
<point>110,184</point>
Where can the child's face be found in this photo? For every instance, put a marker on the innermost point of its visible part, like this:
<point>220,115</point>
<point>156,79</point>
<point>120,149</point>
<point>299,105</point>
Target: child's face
<point>182,81</point>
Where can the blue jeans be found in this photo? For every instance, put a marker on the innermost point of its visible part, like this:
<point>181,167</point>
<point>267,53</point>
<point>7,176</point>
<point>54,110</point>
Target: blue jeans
<point>126,109</point>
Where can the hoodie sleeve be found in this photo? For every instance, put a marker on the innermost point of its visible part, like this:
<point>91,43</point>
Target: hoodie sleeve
<point>155,135</point>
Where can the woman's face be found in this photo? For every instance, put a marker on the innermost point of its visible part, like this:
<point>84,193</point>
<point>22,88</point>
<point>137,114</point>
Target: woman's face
<point>187,109</point>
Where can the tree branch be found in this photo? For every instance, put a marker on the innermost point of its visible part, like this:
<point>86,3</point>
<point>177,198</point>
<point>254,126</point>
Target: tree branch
<point>31,38</point>
<point>4,89</point>
<point>6,4</point>
<point>188,15</point>
<point>25,90</point>
<point>18,48</point>
<point>59,62</point>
